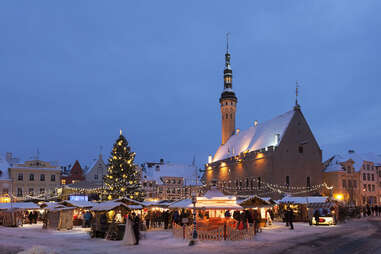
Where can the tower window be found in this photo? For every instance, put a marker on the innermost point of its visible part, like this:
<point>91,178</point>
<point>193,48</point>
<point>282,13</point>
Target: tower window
<point>259,182</point>
<point>300,149</point>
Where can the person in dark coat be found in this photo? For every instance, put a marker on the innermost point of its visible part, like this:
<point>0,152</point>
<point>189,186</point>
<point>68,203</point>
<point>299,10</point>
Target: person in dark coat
<point>30,217</point>
<point>317,216</point>
<point>147,219</point>
<point>290,218</point>
<point>135,226</point>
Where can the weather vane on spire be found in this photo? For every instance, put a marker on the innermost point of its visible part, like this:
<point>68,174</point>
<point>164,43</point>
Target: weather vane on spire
<point>296,93</point>
<point>227,42</point>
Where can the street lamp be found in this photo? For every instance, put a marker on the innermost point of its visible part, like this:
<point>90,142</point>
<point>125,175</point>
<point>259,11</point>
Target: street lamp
<point>194,234</point>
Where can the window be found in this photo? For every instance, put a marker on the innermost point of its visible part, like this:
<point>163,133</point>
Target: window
<point>53,178</point>
<point>364,177</point>
<point>372,177</point>
<point>368,176</point>
<point>150,184</point>
<point>369,188</point>
<point>349,170</point>
<point>144,184</point>
<point>364,187</point>
<point>308,182</point>
<point>179,181</point>
<point>300,149</point>
<point>31,191</point>
<point>259,182</point>
<point>42,177</point>
<point>31,177</point>
<point>95,177</point>
<point>63,181</point>
<point>288,181</point>
<point>354,184</point>
<point>349,183</point>
<point>344,183</point>
<point>247,182</point>
<point>20,177</point>
<point>226,116</point>
<point>5,190</point>
<point>168,191</point>
<point>367,166</point>
<point>19,192</point>
<point>42,190</point>
<point>173,181</point>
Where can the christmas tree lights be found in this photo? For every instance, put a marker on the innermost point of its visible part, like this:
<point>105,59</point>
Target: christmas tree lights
<point>122,179</point>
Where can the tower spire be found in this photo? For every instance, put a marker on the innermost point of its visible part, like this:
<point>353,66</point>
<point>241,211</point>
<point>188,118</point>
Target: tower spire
<point>297,106</point>
<point>227,42</point>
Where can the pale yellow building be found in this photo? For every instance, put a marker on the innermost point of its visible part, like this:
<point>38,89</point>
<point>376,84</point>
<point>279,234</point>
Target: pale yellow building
<point>34,178</point>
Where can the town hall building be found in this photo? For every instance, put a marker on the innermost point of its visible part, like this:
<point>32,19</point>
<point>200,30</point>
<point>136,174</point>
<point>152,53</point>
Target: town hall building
<point>278,156</point>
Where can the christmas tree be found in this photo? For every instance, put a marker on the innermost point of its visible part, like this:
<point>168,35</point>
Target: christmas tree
<point>123,178</point>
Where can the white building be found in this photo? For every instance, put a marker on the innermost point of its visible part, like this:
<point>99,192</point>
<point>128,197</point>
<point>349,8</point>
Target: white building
<point>170,181</point>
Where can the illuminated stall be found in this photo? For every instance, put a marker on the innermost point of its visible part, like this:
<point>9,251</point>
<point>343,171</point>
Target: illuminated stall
<point>12,214</point>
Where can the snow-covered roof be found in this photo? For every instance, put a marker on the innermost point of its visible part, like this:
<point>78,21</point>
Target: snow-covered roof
<point>80,204</point>
<point>107,205</point>
<point>335,166</point>
<point>158,171</point>
<point>4,169</point>
<point>254,198</point>
<point>19,205</point>
<point>304,200</point>
<point>263,135</point>
<point>94,162</point>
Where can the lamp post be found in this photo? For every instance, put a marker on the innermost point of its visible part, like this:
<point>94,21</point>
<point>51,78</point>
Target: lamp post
<point>194,234</point>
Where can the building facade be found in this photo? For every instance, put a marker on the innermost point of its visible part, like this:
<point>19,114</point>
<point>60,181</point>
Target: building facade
<point>75,175</point>
<point>277,156</point>
<point>170,181</point>
<point>356,178</point>
<point>5,180</point>
<point>34,178</point>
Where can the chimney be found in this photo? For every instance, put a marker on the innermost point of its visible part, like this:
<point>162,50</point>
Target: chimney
<point>255,123</point>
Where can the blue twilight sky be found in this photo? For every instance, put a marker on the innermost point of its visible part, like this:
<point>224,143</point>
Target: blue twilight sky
<point>72,73</point>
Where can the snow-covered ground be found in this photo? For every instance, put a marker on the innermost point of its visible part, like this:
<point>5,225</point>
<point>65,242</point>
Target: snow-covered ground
<point>79,241</point>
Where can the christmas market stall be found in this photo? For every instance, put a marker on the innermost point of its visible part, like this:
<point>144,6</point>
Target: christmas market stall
<point>58,217</point>
<point>13,214</point>
<point>82,215</point>
<point>302,207</point>
<point>109,220</point>
<point>260,208</point>
<point>219,217</point>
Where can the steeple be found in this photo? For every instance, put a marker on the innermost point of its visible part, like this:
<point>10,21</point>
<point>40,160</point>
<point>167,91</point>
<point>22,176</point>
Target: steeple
<point>297,106</point>
<point>228,100</point>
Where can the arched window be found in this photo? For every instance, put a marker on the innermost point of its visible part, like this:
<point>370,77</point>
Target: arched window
<point>42,177</point>
<point>31,177</point>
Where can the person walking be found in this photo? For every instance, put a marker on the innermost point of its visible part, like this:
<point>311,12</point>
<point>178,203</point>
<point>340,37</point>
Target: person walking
<point>136,227</point>
<point>290,218</point>
<point>317,217</point>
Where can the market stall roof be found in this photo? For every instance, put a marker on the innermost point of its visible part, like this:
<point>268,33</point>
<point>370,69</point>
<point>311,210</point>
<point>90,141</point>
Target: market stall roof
<point>129,201</point>
<point>79,204</point>
<point>108,205</point>
<point>19,205</point>
<point>254,201</point>
<point>213,199</point>
<point>322,205</point>
<point>158,203</point>
<point>304,200</point>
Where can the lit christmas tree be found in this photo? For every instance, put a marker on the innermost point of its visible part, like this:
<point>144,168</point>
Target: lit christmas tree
<point>123,178</point>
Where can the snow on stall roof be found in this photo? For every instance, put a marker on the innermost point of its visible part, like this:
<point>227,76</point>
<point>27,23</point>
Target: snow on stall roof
<point>256,137</point>
<point>188,172</point>
<point>304,200</point>
<point>358,158</point>
<point>19,205</point>
<point>107,205</point>
<point>4,169</point>
<point>81,204</point>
